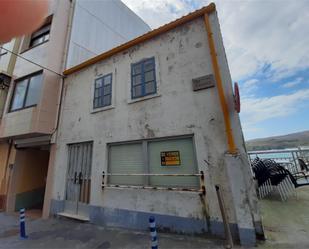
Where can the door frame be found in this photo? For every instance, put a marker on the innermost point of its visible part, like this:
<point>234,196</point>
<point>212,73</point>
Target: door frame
<point>79,206</point>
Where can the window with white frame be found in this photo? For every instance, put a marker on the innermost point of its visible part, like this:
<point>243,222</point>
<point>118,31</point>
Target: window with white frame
<point>103,91</point>
<point>143,78</point>
<point>146,157</point>
<point>27,91</point>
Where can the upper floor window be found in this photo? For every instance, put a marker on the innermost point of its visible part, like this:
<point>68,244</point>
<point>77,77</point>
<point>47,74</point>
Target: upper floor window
<point>40,36</point>
<point>27,91</point>
<point>102,91</point>
<point>143,78</point>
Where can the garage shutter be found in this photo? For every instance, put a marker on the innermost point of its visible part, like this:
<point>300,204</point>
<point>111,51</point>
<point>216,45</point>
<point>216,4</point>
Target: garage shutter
<point>125,159</point>
<point>187,163</point>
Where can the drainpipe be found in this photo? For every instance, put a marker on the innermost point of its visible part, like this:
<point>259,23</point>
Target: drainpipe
<point>224,106</point>
<point>65,58</point>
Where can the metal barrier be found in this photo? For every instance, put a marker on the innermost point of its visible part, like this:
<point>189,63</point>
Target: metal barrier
<point>202,189</point>
<point>287,158</point>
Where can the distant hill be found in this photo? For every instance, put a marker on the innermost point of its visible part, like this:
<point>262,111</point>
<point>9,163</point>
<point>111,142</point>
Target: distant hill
<point>279,142</point>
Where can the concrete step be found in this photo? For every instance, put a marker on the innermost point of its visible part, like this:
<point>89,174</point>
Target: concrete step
<point>74,216</point>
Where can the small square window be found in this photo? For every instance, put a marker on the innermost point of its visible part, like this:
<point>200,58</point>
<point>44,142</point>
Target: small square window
<point>143,78</point>
<point>149,76</point>
<point>137,91</point>
<point>137,69</point>
<point>137,80</point>
<point>103,91</point>
<point>149,65</point>
<point>107,100</point>
<point>107,90</point>
<point>97,93</point>
<point>98,83</point>
<point>150,87</point>
<point>108,80</point>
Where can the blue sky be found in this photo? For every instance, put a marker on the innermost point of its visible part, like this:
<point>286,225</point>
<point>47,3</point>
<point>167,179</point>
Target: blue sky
<point>267,46</point>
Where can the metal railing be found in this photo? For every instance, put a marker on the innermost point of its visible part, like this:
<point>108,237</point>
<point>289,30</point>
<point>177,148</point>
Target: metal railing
<point>287,157</point>
<point>201,176</point>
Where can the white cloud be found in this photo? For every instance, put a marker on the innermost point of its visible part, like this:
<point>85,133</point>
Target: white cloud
<point>256,110</point>
<point>158,12</point>
<point>249,86</point>
<point>251,83</point>
<point>268,32</point>
<point>293,83</point>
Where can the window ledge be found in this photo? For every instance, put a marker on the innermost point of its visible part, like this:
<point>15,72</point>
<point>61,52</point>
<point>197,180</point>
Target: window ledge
<point>131,101</point>
<point>23,108</point>
<point>101,109</point>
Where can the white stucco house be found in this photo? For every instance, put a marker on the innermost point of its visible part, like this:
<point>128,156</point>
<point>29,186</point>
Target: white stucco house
<point>142,123</point>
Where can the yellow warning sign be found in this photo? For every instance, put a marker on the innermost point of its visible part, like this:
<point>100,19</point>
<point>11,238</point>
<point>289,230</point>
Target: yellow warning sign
<point>170,158</point>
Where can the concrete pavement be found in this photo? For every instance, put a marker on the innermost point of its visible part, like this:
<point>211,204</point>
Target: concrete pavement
<point>286,223</point>
<point>286,227</point>
<point>62,233</point>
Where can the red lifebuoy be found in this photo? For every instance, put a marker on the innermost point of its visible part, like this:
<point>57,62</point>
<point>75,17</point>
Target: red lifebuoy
<point>236,97</point>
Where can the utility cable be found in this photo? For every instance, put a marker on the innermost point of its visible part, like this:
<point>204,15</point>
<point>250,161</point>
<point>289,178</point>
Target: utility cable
<point>50,70</point>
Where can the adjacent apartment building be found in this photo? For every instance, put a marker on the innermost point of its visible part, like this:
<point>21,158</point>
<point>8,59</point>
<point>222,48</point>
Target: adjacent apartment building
<point>150,128</point>
<point>7,64</point>
<point>31,88</point>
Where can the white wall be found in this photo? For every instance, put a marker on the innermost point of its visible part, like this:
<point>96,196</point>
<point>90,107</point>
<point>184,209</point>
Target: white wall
<point>180,55</point>
<point>99,26</point>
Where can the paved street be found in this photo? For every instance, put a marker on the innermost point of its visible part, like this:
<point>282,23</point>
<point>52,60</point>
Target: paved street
<point>286,223</point>
<point>286,227</point>
<point>60,233</point>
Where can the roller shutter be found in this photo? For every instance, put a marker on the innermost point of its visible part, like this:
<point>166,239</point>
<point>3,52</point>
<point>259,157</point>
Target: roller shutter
<point>125,159</point>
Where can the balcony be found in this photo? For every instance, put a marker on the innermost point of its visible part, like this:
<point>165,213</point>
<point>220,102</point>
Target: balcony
<point>31,106</point>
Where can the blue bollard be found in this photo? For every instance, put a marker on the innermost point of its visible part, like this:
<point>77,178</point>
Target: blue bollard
<point>22,224</point>
<point>153,233</point>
